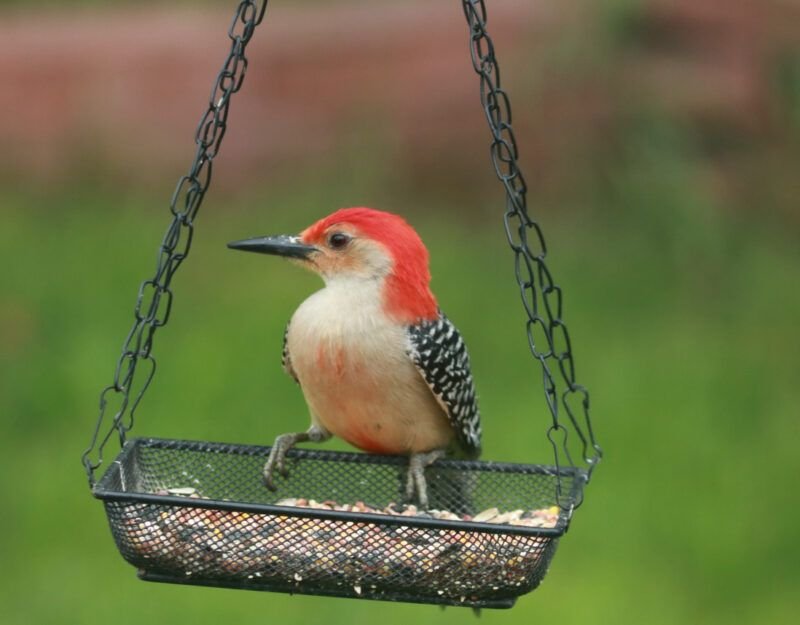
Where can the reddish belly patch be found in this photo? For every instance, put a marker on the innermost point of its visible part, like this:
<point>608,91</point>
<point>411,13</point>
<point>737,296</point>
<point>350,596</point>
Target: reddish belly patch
<point>368,441</point>
<point>330,360</point>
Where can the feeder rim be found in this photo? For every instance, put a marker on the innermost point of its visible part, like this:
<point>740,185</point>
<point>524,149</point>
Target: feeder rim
<point>502,604</point>
<point>103,490</point>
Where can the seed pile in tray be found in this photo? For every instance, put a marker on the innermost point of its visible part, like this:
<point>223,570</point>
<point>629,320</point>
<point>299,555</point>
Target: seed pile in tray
<point>546,517</point>
<point>204,543</point>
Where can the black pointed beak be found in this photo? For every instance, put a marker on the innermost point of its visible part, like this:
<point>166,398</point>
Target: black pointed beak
<point>282,245</point>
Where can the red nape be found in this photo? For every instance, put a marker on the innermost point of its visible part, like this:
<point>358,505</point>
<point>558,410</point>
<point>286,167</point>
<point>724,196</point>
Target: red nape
<point>408,302</point>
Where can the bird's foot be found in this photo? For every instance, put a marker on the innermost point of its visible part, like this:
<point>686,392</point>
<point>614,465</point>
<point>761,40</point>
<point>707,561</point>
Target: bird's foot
<point>416,475</point>
<point>277,456</point>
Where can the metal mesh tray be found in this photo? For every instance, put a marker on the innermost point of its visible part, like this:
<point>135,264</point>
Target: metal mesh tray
<point>197,513</point>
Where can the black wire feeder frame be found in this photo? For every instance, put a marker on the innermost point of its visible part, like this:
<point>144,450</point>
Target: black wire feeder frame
<point>197,512</point>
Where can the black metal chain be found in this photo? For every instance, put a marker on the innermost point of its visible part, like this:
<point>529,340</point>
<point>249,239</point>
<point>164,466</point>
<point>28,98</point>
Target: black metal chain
<point>548,337</point>
<point>154,300</point>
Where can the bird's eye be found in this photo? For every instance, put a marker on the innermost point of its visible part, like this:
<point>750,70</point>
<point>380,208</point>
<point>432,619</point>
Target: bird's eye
<point>338,240</point>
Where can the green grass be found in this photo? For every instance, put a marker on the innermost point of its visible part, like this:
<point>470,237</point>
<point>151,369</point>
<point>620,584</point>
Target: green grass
<point>683,323</point>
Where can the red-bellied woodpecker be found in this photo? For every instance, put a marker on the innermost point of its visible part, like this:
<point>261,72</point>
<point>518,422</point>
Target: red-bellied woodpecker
<point>380,366</point>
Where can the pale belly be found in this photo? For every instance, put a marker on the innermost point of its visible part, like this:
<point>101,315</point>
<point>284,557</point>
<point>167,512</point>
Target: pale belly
<point>361,386</point>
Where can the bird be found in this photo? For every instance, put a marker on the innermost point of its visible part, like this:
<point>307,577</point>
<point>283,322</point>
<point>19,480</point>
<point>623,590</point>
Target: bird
<point>380,366</point>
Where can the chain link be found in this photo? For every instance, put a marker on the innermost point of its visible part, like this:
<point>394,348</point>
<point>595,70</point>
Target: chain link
<point>547,333</point>
<point>136,364</point>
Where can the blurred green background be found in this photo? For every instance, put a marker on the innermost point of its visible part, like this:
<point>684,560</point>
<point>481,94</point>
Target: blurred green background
<point>661,141</point>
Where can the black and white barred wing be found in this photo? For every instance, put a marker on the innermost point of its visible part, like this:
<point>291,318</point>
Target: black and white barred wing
<point>439,353</point>
<point>286,360</point>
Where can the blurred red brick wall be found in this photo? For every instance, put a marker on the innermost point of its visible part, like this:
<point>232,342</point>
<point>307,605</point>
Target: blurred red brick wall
<point>120,89</point>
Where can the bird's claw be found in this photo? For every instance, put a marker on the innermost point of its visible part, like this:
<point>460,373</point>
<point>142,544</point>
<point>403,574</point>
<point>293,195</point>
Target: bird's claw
<point>277,458</point>
<point>275,461</point>
<point>416,476</point>
<point>269,469</point>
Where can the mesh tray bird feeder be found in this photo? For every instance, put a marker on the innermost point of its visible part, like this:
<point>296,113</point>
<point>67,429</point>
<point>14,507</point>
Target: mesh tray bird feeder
<point>197,512</point>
